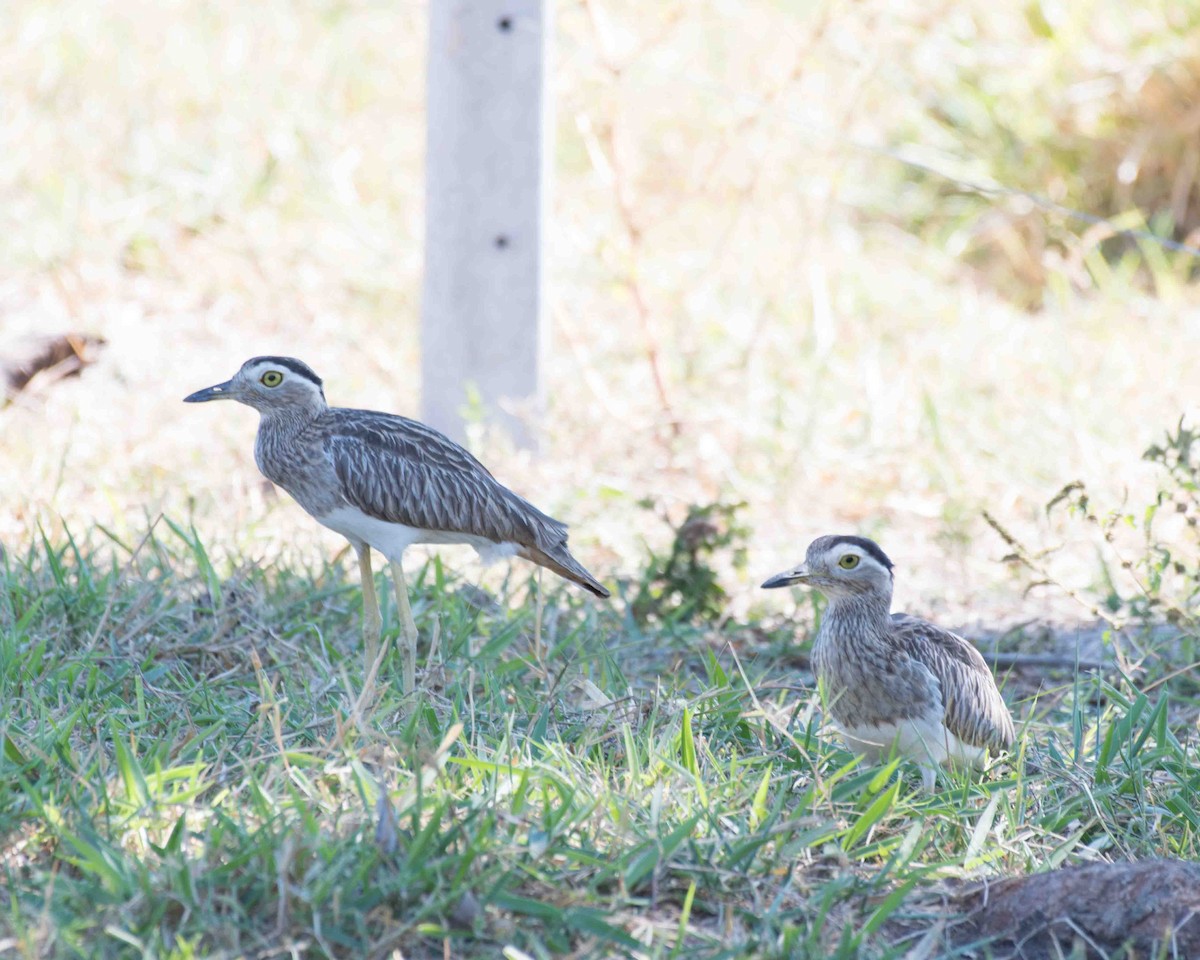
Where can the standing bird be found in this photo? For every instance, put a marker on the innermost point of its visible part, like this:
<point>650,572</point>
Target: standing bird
<point>896,682</point>
<point>386,482</point>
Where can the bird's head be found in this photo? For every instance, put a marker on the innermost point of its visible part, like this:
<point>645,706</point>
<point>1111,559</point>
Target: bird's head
<point>841,566</point>
<point>270,385</point>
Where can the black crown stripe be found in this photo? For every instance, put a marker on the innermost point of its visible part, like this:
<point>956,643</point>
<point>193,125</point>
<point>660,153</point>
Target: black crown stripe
<point>297,367</point>
<point>867,546</point>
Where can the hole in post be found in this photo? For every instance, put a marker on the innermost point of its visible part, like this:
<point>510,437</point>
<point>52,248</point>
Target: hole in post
<point>501,241</point>
<point>504,24</point>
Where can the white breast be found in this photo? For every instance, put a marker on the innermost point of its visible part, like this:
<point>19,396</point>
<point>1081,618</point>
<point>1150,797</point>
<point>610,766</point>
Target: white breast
<point>392,539</point>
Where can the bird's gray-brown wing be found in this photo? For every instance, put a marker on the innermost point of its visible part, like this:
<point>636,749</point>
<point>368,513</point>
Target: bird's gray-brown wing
<point>402,471</point>
<point>975,711</point>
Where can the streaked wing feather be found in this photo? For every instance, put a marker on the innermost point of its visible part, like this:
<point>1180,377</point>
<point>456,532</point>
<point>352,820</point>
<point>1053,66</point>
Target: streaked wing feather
<point>402,471</point>
<point>975,711</point>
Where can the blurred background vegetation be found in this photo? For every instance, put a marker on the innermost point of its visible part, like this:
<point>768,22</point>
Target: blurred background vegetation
<point>878,267</point>
<point>792,263</point>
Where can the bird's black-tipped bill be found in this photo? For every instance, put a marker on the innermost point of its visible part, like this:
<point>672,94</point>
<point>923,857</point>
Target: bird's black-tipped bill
<point>786,579</point>
<point>219,391</point>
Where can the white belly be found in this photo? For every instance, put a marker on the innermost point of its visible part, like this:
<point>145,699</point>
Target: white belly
<point>392,539</point>
<point>925,740</point>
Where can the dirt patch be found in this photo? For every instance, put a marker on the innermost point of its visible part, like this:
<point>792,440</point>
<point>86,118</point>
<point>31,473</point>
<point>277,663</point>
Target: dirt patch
<point>1148,909</point>
<point>63,355</point>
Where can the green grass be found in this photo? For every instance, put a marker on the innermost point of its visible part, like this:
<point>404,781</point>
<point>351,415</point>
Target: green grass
<point>841,341</point>
<point>185,773</point>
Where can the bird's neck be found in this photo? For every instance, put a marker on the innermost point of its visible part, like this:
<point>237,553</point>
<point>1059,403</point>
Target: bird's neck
<point>281,438</point>
<point>290,420</point>
<point>859,614</point>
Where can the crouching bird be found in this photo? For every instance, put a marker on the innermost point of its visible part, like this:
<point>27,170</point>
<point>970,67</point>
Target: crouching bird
<point>386,482</point>
<point>893,682</point>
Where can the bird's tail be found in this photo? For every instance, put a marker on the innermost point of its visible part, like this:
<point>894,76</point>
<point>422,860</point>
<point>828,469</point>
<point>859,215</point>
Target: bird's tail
<point>559,559</point>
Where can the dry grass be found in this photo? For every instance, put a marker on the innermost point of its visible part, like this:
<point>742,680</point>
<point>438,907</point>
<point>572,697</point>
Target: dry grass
<point>739,305</point>
<point>750,299</point>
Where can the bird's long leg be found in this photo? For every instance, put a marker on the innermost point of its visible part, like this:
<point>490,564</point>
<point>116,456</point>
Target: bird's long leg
<point>372,622</point>
<point>410,627</point>
<point>538,652</point>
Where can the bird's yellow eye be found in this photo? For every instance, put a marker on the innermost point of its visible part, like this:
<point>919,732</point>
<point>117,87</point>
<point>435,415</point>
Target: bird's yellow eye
<point>849,561</point>
<point>272,378</point>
